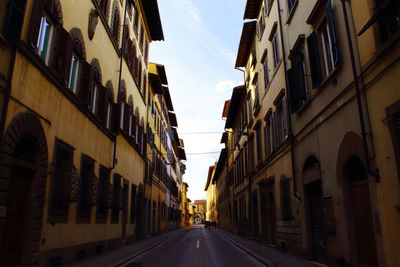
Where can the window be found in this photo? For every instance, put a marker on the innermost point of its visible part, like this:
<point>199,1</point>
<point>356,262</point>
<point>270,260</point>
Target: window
<point>393,118</point>
<point>116,198</point>
<point>62,167</point>
<point>44,39</point>
<point>275,48</point>
<point>265,69</point>
<point>280,125</point>
<point>261,26</point>
<point>109,109</point>
<point>93,97</point>
<point>115,24</point>
<point>130,132</point>
<point>102,192</point>
<point>257,97</point>
<point>73,74</point>
<point>15,19</point>
<point>250,106</point>
<point>297,81</point>
<point>103,6</point>
<point>87,186</point>
<point>268,133</point>
<point>259,143</point>
<point>291,4</point>
<point>388,16</point>
<point>285,198</point>
<point>323,49</point>
<point>137,127</point>
<point>251,154</point>
<point>136,23</point>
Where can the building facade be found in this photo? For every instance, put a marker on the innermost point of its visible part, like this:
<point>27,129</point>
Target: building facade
<point>74,87</point>
<point>312,136</point>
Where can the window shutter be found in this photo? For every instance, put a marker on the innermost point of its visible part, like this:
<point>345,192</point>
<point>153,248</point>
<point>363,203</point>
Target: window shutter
<point>126,119</point>
<point>284,119</point>
<point>85,81</point>
<point>102,104</point>
<point>15,19</point>
<point>61,54</point>
<point>313,53</point>
<point>93,188</point>
<point>275,130</point>
<point>332,33</point>
<point>125,39</point>
<point>34,26</point>
<point>115,117</point>
<point>294,101</point>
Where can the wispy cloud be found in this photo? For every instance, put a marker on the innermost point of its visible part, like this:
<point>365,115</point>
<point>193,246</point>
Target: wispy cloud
<point>226,86</point>
<point>200,32</point>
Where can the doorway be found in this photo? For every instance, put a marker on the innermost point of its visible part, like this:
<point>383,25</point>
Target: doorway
<point>316,221</point>
<point>361,212</point>
<point>267,210</point>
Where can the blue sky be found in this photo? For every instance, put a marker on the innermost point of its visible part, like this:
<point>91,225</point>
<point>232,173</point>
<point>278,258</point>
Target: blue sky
<point>199,52</point>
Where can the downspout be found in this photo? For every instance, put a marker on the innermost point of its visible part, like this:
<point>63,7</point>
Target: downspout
<point>358,94</point>
<point>289,112</point>
<point>119,84</point>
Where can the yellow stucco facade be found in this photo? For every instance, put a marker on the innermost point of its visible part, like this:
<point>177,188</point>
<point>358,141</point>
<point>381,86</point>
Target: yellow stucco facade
<point>105,142</point>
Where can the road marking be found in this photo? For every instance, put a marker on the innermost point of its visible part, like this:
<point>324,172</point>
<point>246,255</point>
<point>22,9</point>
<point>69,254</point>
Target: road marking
<point>198,243</point>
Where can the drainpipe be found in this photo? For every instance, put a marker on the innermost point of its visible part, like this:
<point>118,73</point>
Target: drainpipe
<point>288,115</point>
<point>119,83</point>
<point>374,173</point>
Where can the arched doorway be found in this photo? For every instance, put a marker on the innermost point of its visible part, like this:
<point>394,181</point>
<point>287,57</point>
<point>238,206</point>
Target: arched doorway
<point>361,212</point>
<point>23,158</point>
<point>315,215</point>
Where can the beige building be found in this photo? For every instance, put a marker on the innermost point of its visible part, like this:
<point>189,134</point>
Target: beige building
<point>73,144</point>
<point>211,189</point>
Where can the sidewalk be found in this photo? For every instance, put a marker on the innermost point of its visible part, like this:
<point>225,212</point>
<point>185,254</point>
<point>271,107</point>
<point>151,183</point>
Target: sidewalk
<point>118,256</point>
<point>265,254</point>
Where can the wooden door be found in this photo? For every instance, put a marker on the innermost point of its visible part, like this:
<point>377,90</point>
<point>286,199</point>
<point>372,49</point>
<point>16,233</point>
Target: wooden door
<point>363,227</point>
<point>15,237</point>
<point>316,218</point>
<point>268,212</point>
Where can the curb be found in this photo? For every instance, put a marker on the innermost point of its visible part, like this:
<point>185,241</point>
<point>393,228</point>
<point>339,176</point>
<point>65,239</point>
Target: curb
<point>247,251</point>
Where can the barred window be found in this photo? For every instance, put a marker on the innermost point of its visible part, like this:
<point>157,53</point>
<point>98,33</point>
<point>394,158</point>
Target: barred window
<point>86,186</point>
<point>61,178</point>
<point>102,194</point>
<point>285,198</point>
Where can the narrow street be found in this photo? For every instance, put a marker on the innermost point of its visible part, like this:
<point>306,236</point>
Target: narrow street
<point>196,247</point>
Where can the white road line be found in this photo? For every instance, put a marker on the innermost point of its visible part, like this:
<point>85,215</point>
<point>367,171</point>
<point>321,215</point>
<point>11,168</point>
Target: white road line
<point>198,243</point>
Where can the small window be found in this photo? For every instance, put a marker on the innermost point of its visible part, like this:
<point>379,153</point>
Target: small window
<point>73,74</point>
<point>259,144</point>
<point>268,133</point>
<point>62,167</point>
<point>275,48</point>
<point>265,69</point>
<point>44,39</point>
<point>323,49</point>
<point>93,92</point>
<point>86,186</point>
<point>291,4</point>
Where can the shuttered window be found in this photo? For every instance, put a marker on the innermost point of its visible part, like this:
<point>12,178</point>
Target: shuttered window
<point>388,18</point>
<point>14,21</point>
<point>102,192</point>
<point>268,135</point>
<point>61,178</point>
<point>88,186</point>
<point>73,74</point>
<point>61,53</point>
<point>393,118</point>
<point>275,49</point>
<point>116,205</point>
<point>323,48</point>
<point>259,143</point>
<point>297,82</point>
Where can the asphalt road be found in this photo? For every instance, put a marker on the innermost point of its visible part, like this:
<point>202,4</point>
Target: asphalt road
<point>194,247</point>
